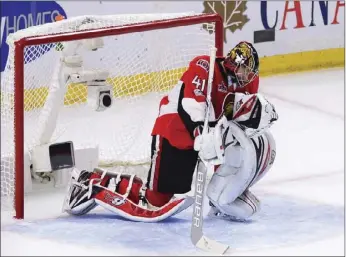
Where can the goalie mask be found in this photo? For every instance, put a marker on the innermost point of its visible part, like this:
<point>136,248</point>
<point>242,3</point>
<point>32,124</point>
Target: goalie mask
<point>242,62</point>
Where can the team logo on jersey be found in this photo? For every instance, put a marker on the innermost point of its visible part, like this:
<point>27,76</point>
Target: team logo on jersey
<point>204,64</point>
<point>222,87</point>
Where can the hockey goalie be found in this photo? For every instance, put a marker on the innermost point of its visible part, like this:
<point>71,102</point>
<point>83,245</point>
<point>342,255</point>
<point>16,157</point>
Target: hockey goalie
<point>238,143</point>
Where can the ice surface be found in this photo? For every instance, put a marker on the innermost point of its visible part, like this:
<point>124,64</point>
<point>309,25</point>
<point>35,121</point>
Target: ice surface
<point>302,196</point>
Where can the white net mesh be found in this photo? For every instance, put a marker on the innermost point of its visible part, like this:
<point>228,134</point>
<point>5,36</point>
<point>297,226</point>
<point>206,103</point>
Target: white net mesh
<point>143,66</point>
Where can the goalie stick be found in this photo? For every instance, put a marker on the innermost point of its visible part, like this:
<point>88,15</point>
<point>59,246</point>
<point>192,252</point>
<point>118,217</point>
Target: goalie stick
<point>202,167</point>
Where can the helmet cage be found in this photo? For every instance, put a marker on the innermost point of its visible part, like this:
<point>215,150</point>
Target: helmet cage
<point>244,74</point>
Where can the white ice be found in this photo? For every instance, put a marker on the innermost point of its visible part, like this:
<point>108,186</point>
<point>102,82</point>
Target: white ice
<point>302,196</point>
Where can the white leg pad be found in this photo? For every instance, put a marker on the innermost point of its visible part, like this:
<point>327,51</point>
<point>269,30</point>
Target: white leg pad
<point>228,187</point>
<point>234,176</point>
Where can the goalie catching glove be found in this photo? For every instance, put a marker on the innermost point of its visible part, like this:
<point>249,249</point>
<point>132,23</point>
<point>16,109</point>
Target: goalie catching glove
<point>252,112</point>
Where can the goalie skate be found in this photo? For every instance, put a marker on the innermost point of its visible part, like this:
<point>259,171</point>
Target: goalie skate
<point>215,213</point>
<point>242,209</point>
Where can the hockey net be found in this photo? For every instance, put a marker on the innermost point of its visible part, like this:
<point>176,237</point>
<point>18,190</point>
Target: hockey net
<point>145,56</point>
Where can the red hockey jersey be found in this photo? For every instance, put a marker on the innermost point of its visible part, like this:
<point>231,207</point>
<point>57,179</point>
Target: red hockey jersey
<point>183,109</point>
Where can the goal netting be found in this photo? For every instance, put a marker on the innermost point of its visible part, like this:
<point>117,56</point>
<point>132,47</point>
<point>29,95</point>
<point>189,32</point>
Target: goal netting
<point>144,54</point>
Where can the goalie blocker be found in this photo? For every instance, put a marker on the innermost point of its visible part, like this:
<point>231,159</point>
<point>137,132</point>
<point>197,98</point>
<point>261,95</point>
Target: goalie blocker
<point>247,153</point>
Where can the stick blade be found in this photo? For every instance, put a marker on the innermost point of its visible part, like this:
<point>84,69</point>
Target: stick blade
<point>211,245</point>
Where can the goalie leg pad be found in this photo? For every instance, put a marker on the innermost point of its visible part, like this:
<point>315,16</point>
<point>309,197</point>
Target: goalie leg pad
<point>127,209</point>
<point>124,195</point>
<point>233,177</point>
<point>131,200</point>
<point>245,163</point>
<point>237,172</point>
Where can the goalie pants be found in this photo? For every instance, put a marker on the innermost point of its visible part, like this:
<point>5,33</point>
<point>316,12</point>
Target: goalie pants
<point>171,172</point>
<point>171,169</point>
